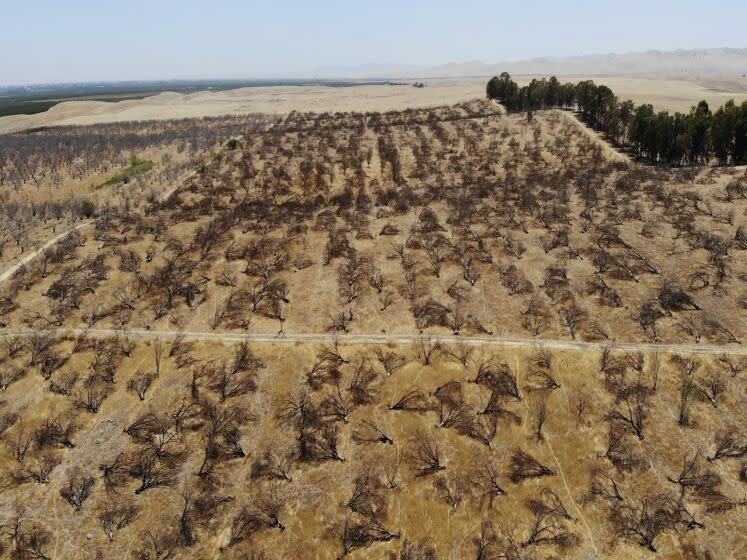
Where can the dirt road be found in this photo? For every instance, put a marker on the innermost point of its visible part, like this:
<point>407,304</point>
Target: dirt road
<point>401,339</point>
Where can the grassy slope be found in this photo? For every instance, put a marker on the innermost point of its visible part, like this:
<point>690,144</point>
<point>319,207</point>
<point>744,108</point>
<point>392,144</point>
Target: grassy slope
<point>137,167</point>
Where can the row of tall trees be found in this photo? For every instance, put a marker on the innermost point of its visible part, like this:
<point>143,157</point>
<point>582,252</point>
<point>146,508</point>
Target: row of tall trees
<point>694,138</point>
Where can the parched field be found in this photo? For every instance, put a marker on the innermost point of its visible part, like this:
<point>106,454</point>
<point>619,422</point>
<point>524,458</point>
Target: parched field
<point>322,451</point>
<point>430,223</point>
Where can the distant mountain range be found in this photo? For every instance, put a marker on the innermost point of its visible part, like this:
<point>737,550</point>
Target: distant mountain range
<point>691,63</point>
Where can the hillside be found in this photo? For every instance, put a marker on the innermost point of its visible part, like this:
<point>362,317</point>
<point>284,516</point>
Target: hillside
<point>328,342</point>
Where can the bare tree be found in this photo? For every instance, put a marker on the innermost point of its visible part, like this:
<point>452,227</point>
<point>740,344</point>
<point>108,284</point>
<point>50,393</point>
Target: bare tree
<point>92,395</point>
<point>391,361</point>
<point>603,485</point>
<point>424,454</point>
<point>371,432</point>
<point>158,350</point>
<point>274,465</point>
<point>40,467</point>
<point>78,489</point>
<point>414,400</point>
<point>620,453</point>
<point>140,383</point>
<point>64,382</point>
<point>633,413</point>
<point>428,346</point>
<point>734,366</point>
<point>422,550</point>
<point>115,473</point>
<point>729,443</point>
<point>524,466</point>
<point>56,431</point>
<point>152,472</point>
<point>550,523</point>
<point>540,419</point>
<point>488,479</point>
<point>688,391</point>
<point>694,478</point>
<point>116,517</point>
<point>451,489</point>
<point>642,524</point>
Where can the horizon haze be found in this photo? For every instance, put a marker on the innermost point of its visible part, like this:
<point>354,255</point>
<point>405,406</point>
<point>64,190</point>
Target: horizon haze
<point>81,42</point>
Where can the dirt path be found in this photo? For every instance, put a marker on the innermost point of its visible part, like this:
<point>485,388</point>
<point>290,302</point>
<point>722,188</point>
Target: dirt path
<point>596,136</point>
<point>401,339</point>
<point>32,255</point>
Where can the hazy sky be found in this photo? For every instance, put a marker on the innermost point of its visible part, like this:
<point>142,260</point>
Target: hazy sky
<point>76,40</point>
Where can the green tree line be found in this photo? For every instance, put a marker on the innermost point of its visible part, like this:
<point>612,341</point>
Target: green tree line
<point>693,138</point>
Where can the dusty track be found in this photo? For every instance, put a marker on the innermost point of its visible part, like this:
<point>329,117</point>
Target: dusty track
<point>596,136</point>
<point>402,339</point>
<point>32,255</point>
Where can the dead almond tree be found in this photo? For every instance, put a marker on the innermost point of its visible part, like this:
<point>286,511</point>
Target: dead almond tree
<point>424,454</point>
<point>39,467</point>
<point>337,404</point>
<point>152,472</point>
<point>371,432</point>
<point>391,462</point>
<point>198,510</point>
<point>711,388</point>
<point>158,348</point>
<point>64,383</point>
<point>694,478</point>
<point>391,361</point>
<point>688,392</point>
<point>733,365</point>
<point>541,380</point>
<point>452,410</point>
<point>729,443</point>
<point>523,466</point>
<point>542,358</point>
<point>116,517</point>
<point>9,375</point>
<point>458,353</point>
<point>162,543</point>
<point>422,550</point>
<point>486,544</point>
<point>603,485</point>
<point>92,395</point>
<point>428,345</point>
<point>451,489</point>
<point>181,350</point>
<point>56,432</point>
<point>115,473</point>
<point>642,524</point>
<point>78,489</point>
<point>141,383</point>
<point>480,427</point>
<point>632,415</point>
<point>274,465</point>
<point>487,478</point>
<point>365,520</point>
<point>550,523</point>
<point>540,419</point>
<point>620,453</point>
<point>413,400</point>
<point>362,378</point>
<point>30,540</point>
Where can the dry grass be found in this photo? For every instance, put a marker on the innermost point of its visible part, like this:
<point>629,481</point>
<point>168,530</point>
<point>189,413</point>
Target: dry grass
<point>315,500</point>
